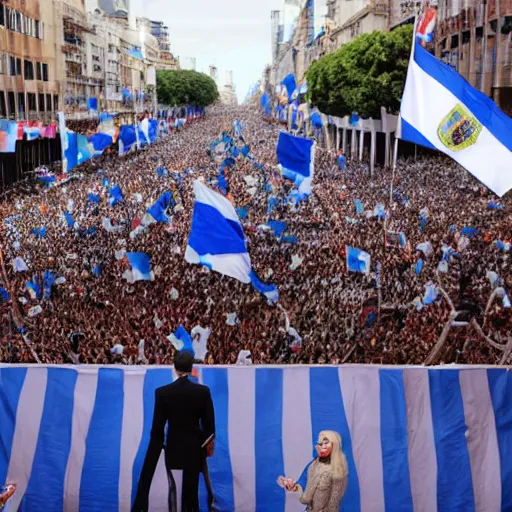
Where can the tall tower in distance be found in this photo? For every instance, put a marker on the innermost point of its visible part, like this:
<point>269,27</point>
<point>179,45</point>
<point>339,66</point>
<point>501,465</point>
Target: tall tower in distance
<point>229,78</point>
<point>214,73</point>
<point>275,19</point>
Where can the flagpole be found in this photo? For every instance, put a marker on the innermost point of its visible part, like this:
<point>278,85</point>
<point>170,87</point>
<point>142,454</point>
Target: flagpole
<point>398,131</point>
<point>395,155</point>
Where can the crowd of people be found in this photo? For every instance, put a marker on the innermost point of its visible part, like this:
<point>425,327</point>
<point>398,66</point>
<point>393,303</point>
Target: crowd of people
<point>325,313</point>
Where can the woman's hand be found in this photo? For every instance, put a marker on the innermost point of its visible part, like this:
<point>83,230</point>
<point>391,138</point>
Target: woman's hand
<point>286,483</point>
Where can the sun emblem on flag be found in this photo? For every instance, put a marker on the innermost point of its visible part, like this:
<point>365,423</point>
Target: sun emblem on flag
<point>459,129</point>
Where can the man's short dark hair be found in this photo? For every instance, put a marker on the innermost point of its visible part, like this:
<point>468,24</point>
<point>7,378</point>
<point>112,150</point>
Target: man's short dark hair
<point>183,361</point>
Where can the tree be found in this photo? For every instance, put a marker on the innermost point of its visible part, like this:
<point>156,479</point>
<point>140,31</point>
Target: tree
<point>185,87</point>
<point>362,75</point>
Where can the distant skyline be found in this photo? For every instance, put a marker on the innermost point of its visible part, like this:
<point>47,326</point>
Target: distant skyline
<point>229,34</point>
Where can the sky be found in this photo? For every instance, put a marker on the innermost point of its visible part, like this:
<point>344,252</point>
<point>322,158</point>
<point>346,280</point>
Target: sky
<point>230,34</point>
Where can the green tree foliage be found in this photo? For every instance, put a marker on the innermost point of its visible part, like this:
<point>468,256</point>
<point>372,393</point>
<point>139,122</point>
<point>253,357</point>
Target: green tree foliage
<point>185,87</point>
<point>362,75</point>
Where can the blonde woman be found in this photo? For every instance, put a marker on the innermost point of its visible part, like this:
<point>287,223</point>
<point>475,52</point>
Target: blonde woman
<point>327,476</point>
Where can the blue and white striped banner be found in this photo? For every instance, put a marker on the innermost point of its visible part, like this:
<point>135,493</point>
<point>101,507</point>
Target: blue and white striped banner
<point>416,439</point>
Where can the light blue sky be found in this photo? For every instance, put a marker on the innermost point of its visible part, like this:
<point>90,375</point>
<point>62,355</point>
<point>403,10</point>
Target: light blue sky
<point>230,34</point>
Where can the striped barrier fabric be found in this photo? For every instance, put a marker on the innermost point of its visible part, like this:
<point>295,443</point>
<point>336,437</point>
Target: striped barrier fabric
<point>416,439</point>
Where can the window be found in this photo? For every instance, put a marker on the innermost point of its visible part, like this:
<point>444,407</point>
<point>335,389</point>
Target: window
<point>38,70</point>
<point>48,102</point>
<point>13,66</point>
<point>18,22</point>
<point>3,69</point>
<point>31,101</point>
<point>45,72</point>
<point>8,18</point>
<point>21,104</point>
<point>41,103</point>
<point>12,103</point>
<point>56,101</point>
<point>29,70</point>
<point>3,109</point>
<point>17,17</point>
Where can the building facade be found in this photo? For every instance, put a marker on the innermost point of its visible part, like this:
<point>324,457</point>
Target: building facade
<point>475,39</point>
<point>61,54</point>
<point>29,89</point>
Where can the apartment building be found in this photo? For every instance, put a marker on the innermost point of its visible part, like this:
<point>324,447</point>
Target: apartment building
<point>475,38</point>
<point>29,89</point>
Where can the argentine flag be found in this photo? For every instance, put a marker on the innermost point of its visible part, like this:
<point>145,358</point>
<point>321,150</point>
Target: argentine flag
<point>297,158</point>
<point>441,110</point>
<point>217,240</point>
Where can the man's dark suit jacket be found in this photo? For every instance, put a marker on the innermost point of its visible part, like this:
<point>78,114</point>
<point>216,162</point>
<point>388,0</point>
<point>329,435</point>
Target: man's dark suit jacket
<point>187,408</point>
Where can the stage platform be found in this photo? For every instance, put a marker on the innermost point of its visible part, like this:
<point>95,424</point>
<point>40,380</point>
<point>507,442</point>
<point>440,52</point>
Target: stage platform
<point>73,438</point>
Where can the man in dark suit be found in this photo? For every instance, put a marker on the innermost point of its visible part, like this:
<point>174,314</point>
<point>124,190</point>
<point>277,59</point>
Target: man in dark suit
<point>187,409</point>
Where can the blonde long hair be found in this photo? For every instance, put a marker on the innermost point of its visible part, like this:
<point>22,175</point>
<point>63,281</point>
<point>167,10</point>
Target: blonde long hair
<point>338,460</point>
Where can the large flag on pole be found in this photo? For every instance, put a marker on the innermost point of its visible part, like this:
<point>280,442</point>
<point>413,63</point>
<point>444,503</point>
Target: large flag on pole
<point>217,240</point>
<point>442,111</point>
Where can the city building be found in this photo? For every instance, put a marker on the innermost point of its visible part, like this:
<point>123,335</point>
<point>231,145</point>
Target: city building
<point>214,73</point>
<point>475,39</point>
<point>227,92</point>
<point>160,32</point>
<point>29,89</point>
<point>60,54</point>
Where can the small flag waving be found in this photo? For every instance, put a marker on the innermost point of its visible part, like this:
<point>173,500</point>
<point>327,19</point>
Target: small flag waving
<point>297,158</point>
<point>217,239</point>
<point>141,266</point>
<point>181,339</point>
<point>159,209</point>
<point>116,196</point>
<point>357,260</point>
<point>442,111</point>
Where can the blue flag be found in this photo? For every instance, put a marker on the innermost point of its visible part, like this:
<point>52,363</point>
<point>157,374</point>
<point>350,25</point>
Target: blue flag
<point>39,232</point>
<point>34,288</point>
<point>184,338</point>
<point>141,266</point>
<point>4,295</point>
<point>217,237</point>
<point>357,260</point>
<point>69,220</point>
<point>277,226</point>
<point>48,282</point>
<point>242,212</point>
<point>290,85</point>
<point>94,198</point>
<point>158,210</point>
<point>297,158</point>
<point>316,120</point>
<point>442,111</point>
<point>116,196</point>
